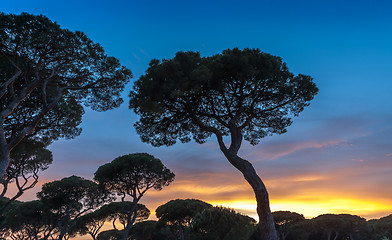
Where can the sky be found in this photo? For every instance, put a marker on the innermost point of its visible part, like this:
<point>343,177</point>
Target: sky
<point>337,155</point>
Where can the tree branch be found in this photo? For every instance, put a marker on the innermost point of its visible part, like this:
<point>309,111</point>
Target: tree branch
<point>210,129</point>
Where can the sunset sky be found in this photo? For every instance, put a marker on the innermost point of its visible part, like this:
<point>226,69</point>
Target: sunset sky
<point>337,155</point>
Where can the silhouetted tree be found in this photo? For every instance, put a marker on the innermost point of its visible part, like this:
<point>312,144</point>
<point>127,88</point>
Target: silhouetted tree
<point>335,226</point>
<point>27,159</point>
<point>120,211</point>
<point>91,223</point>
<point>109,235</point>
<point>47,73</point>
<point>6,225</point>
<point>244,94</point>
<point>384,226</point>
<point>133,175</point>
<point>179,213</point>
<point>222,224</point>
<point>151,230</point>
<point>69,198</point>
<point>286,221</point>
<point>33,220</point>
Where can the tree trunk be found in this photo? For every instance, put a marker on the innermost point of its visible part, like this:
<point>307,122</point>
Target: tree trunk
<point>266,221</point>
<point>131,219</point>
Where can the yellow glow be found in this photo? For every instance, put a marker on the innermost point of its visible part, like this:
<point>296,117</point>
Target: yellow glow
<point>314,207</point>
<point>325,204</point>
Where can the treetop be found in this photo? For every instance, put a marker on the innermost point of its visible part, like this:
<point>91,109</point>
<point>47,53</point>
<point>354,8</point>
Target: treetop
<point>191,96</point>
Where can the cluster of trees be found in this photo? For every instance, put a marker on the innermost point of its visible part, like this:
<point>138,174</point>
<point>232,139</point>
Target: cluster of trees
<point>180,219</point>
<point>192,219</point>
<point>75,205</point>
<point>293,226</point>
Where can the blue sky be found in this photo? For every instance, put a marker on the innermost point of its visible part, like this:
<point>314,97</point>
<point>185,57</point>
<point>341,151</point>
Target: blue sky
<point>336,157</point>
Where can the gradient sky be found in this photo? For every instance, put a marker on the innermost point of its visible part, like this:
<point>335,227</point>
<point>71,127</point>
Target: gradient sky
<point>337,155</point>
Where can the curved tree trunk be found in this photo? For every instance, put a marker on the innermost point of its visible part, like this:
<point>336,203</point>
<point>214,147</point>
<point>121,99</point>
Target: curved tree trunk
<point>130,219</point>
<point>266,221</point>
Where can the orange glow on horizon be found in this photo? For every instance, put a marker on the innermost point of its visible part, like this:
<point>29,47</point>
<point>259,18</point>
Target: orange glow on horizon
<point>366,208</point>
<point>307,194</point>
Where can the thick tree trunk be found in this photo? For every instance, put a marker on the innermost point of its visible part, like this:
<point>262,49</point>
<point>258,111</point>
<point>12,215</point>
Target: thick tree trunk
<point>131,219</point>
<point>266,221</point>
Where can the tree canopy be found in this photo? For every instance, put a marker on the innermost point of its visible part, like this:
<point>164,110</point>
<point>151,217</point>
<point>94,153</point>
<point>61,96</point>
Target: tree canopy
<point>27,159</point>
<point>191,96</point>
<point>92,222</point>
<point>32,219</point>
<point>132,175</point>
<point>179,213</point>
<point>383,226</point>
<point>222,224</point>
<point>286,222</point>
<point>338,225</point>
<point>47,74</point>
<point>119,211</point>
<point>71,197</point>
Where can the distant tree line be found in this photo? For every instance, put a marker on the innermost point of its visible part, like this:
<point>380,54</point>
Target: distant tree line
<point>180,219</point>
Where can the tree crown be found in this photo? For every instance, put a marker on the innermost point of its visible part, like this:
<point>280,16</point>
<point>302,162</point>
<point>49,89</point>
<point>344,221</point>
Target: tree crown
<point>133,174</point>
<point>48,73</point>
<point>72,194</point>
<point>180,211</point>
<point>191,96</point>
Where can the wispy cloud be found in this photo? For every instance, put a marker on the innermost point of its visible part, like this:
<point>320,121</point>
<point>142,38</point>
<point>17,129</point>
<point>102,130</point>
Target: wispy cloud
<point>277,150</point>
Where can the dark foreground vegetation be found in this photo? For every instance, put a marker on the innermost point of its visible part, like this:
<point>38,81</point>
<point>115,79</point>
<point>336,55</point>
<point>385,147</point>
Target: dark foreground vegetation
<point>187,219</point>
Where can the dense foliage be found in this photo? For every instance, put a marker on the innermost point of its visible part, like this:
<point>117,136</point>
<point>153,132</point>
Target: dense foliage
<point>191,96</point>
<point>27,159</point>
<point>36,220</point>
<point>47,75</point>
<point>179,214</point>
<point>133,175</point>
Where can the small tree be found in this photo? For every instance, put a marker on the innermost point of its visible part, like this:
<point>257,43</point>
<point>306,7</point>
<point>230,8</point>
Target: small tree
<point>27,159</point>
<point>91,223</point>
<point>179,213</point>
<point>120,211</point>
<point>384,226</point>
<point>69,198</point>
<point>243,94</point>
<point>222,224</point>
<point>151,230</point>
<point>47,74</point>
<point>32,219</point>
<point>132,175</point>
<point>286,221</point>
<point>335,226</point>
